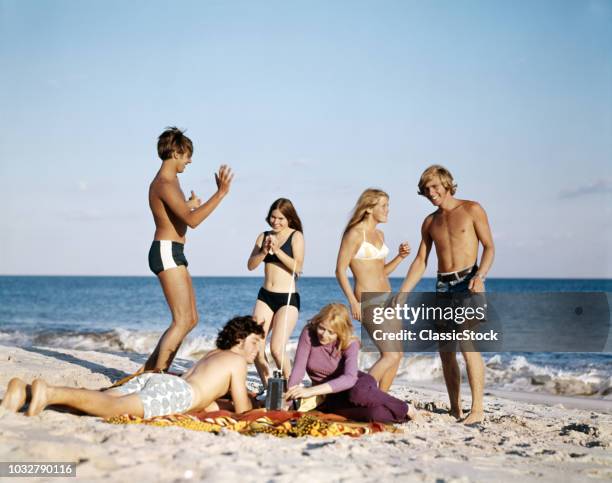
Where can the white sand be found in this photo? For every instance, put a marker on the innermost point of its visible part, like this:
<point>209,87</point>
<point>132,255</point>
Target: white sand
<point>520,440</point>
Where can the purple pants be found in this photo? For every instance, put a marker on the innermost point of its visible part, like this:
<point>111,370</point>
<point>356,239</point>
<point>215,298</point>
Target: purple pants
<point>365,402</point>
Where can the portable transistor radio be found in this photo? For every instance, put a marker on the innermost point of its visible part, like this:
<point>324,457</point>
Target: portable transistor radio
<point>275,397</point>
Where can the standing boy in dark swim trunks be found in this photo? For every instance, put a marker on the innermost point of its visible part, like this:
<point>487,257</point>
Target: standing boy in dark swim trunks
<point>172,214</point>
<point>455,228</point>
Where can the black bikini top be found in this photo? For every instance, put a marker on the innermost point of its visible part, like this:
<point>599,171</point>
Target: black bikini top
<point>286,247</point>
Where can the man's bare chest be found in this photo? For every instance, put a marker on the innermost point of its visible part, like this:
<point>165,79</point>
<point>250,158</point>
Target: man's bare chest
<point>452,225</point>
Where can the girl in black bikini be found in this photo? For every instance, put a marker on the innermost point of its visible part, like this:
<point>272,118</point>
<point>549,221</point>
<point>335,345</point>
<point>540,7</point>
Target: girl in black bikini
<point>282,251</point>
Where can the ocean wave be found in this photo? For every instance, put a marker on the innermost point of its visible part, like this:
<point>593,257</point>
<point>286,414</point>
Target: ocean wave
<point>504,371</point>
<point>117,340</point>
<point>516,373</point>
<point>521,374</point>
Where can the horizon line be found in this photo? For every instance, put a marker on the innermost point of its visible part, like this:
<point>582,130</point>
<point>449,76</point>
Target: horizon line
<point>304,277</point>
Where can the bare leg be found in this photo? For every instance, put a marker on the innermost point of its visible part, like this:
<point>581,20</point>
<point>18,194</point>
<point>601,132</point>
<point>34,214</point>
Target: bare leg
<point>385,369</point>
<point>389,376</point>
<point>178,289</point>
<point>15,395</point>
<point>475,372</point>
<point>213,406</point>
<point>263,314</point>
<point>91,402</point>
<point>278,342</point>
<point>452,378</point>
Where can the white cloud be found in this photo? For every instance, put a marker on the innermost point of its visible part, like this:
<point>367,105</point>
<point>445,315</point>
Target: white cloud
<point>603,185</point>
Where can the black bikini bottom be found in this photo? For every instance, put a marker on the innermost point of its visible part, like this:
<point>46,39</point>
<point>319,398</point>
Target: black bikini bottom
<point>276,300</point>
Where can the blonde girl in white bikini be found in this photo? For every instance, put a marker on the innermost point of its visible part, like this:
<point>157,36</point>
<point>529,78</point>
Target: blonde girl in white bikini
<point>363,249</point>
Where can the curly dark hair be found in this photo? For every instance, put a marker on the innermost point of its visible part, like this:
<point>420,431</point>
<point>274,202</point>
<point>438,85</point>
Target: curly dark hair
<point>237,329</point>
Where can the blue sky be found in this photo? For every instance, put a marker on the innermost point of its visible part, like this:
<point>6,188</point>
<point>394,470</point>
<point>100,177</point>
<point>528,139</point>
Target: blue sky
<point>314,101</point>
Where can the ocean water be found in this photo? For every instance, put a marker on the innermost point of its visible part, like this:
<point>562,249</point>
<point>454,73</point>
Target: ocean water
<point>126,315</point>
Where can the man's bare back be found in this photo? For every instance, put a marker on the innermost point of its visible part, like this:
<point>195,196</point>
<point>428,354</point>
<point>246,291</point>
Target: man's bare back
<point>168,226</point>
<point>216,374</point>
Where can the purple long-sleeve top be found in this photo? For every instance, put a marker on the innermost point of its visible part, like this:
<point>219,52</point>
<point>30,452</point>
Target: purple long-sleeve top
<point>324,363</point>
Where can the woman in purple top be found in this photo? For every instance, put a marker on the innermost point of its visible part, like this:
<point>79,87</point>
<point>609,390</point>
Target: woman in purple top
<point>328,351</point>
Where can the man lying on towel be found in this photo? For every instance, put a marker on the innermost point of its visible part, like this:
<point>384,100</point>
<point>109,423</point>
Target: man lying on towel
<point>151,394</point>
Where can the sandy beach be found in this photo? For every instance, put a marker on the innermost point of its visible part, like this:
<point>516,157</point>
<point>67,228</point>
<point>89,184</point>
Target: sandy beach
<point>546,439</point>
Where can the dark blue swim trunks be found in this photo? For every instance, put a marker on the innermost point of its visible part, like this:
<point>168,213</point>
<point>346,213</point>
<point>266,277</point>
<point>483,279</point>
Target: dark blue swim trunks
<point>165,254</point>
<point>453,290</point>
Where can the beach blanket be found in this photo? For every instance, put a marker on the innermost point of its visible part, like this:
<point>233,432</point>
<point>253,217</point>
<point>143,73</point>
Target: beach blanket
<point>260,421</point>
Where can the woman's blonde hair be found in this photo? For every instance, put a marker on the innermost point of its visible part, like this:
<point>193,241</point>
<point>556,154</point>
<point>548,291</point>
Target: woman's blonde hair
<point>446,178</point>
<point>339,318</point>
<point>367,200</point>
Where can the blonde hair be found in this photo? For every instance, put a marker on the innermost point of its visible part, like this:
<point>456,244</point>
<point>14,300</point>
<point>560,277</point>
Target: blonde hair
<point>444,174</point>
<point>340,321</point>
<point>367,200</point>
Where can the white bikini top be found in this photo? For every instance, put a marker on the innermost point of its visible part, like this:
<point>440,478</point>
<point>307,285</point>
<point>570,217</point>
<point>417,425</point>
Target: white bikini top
<point>369,251</point>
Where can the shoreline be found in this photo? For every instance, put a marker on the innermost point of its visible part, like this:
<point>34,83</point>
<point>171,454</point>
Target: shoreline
<point>592,403</point>
<point>569,389</point>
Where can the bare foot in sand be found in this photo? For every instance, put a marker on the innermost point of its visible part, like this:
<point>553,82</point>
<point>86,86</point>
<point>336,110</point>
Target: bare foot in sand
<point>40,397</point>
<point>413,414</point>
<point>456,413</point>
<point>15,396</point>
<point>474,417</point>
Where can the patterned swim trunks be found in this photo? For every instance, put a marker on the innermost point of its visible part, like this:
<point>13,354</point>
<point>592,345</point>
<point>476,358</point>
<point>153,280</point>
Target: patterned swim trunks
<point>161,394</point>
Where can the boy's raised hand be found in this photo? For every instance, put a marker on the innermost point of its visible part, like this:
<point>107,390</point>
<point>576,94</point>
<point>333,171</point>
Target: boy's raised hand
<point>194,201</point>
<point>224,179</point>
